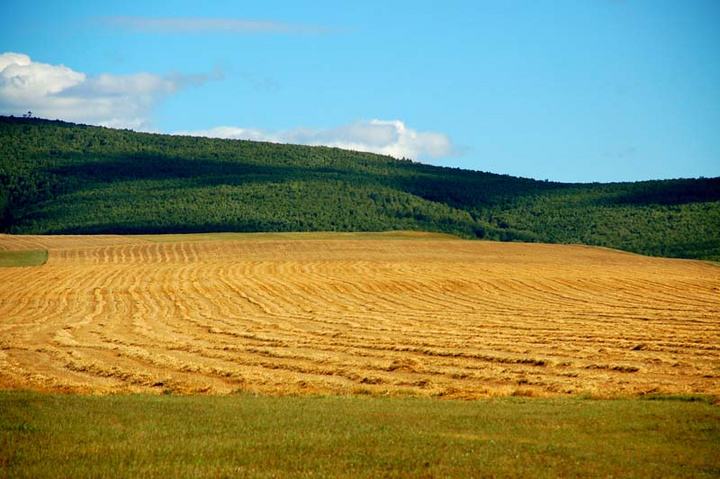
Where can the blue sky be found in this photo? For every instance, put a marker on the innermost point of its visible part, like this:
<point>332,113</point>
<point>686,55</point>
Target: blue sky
<point>577,90</point>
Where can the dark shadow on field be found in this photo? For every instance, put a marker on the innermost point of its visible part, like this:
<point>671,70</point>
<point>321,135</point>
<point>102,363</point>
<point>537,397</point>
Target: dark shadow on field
<point>670,192</point>
<point>455,187</point>
<point>202,172</point>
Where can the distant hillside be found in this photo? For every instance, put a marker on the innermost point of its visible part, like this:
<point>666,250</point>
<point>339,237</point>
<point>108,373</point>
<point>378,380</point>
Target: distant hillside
<point>58,177</point>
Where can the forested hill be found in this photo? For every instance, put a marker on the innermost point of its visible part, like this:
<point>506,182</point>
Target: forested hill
<point>58,177</point>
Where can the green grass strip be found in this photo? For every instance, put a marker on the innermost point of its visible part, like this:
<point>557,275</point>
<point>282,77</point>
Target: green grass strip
<point>23,258</point>
<point>255,436</point>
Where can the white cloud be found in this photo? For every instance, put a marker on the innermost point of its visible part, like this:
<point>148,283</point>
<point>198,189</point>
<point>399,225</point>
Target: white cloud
<point>56,91</point>
<point>386,137</point>
<point>205,24</point>
<point>127,101</point>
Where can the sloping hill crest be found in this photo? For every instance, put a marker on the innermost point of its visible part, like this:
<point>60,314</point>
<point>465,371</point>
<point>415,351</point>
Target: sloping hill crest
<point>63,178</point>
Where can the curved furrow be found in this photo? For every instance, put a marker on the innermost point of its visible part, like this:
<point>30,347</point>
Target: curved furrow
<point>340,315</point>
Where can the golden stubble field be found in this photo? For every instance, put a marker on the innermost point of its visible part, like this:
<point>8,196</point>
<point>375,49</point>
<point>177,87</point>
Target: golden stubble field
<point>398,314</point>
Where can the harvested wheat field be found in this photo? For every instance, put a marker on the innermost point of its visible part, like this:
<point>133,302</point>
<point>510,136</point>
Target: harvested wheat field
<point>397,313</point>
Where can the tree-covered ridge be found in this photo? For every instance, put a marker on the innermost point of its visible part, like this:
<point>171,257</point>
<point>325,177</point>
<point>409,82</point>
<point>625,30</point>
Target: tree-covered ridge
<point>58,177</point>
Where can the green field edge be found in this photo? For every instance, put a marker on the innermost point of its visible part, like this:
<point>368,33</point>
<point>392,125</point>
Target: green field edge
<point>23,258</point>
<point>706,398</point>
<point>140,435</point>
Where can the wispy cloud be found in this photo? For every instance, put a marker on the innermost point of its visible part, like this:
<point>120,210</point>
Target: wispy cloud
<point>387,137</point>
<point>208,25</point>
<point>56,91</point>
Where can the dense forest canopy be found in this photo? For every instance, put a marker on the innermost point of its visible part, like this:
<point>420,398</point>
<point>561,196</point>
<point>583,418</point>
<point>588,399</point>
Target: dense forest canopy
<point>58,177</point>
